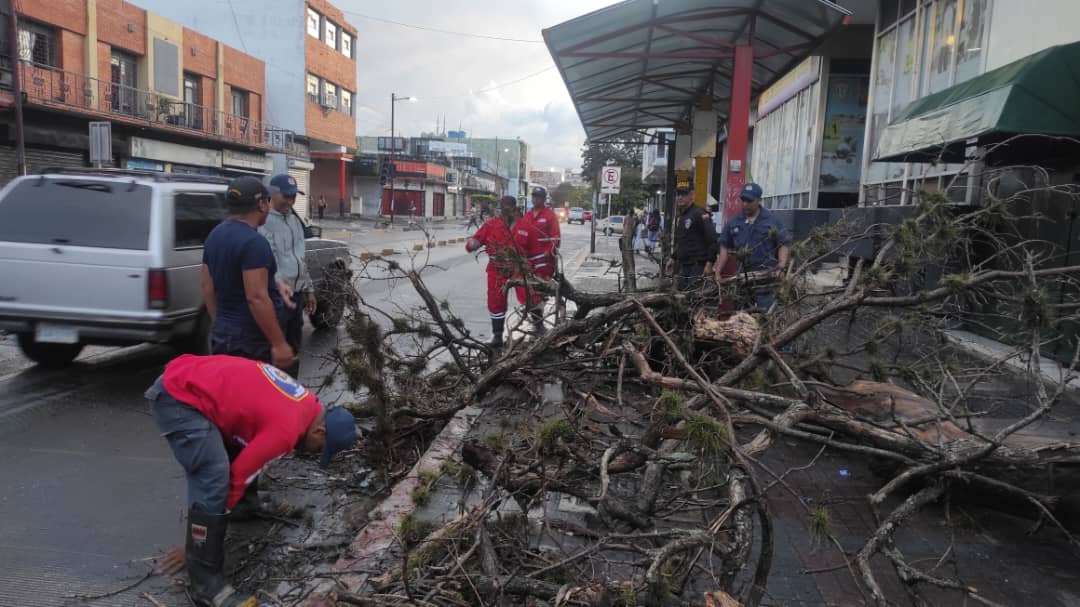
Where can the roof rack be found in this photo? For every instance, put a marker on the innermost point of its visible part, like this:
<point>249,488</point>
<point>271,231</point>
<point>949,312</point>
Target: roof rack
<point>145,174</point>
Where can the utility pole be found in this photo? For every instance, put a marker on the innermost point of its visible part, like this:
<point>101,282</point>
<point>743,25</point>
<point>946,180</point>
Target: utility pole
<point>16,89</point>
<point>393,149</point>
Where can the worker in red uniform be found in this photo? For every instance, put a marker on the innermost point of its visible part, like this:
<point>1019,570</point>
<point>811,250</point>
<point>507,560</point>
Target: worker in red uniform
<point>206,406</point>
<point>538,236</point>
<point>496,236</point>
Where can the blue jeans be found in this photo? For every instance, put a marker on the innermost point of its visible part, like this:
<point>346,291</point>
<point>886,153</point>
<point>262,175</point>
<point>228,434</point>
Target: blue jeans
<point>197,445</point>
<point>235,341</point>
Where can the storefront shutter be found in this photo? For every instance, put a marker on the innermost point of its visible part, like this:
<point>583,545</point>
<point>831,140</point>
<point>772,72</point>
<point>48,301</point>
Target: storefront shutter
<point>301,176</point>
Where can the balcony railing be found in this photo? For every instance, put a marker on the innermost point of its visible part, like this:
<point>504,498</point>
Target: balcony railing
<point>52,87</point>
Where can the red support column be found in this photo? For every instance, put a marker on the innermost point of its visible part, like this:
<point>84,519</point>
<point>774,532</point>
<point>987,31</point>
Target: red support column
<point>738,136</point>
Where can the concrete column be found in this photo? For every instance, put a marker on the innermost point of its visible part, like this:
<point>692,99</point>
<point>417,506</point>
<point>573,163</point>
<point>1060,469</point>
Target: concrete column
<point>219,85</point>
<point>91,51</point>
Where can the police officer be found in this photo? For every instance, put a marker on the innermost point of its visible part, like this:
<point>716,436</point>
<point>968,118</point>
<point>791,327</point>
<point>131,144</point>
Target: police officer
<point>497,238</point>
<point>695,241</point>
<point>759,239</point>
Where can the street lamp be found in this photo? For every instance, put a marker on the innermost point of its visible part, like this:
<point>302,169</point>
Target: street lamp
<point>393,148</point>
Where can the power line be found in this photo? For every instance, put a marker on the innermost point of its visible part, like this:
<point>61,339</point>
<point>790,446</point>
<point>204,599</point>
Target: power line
<point>442,31</point>
<point>236,23</point>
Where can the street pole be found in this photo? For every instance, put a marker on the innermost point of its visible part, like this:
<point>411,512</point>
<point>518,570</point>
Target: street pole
<point>16,88</point>
<point>393,154</point>
<point>498,186</point>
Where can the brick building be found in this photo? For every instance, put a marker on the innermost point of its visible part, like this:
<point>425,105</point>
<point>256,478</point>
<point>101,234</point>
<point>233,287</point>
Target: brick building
<point>177,100</point>
<point>308,49</point>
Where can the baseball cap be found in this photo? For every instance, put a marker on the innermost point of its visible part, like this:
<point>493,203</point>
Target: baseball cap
<point>682,191</point>
<point>508,202</point>
<point>244,192</point>
<point>539,192</point>
<point>340,433</point>
<point>750,191</point>
<point>285,184</point>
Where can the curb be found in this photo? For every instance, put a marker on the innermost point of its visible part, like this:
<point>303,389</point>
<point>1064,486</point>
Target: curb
<point>379,535</point>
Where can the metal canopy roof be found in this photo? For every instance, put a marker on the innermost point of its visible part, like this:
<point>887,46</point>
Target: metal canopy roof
<point>646,63</point>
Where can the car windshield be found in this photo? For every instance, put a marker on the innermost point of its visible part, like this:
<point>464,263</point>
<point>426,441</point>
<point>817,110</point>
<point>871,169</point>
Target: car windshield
<point>77,212</point>
<point>575,210</point>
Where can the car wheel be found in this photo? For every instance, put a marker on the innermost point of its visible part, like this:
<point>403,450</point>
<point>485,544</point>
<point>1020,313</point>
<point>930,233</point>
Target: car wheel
<point>330,300</point>
<point>198,341</point>
<point>47,355</point>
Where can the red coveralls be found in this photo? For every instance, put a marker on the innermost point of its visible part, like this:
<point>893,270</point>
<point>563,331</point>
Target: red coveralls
<point>538,236</point>
<point>498,241</point>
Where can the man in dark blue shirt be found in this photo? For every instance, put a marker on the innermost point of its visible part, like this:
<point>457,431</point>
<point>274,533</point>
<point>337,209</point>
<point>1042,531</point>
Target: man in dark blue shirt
<point>238,280</point>
<point>759,241</point>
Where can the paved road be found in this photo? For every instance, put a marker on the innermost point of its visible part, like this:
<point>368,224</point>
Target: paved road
<point>88,490</point>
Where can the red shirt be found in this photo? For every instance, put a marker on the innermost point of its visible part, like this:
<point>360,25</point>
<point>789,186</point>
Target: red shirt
<point>538,235</point>
<point>498,241</point>
<point>253,404</point>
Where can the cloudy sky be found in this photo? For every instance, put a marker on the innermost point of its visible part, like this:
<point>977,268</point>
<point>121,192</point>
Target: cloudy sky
<point>465,78</point>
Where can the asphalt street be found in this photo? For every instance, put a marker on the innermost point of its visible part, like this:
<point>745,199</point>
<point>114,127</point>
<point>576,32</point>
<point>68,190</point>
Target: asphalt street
<point>89,491</point>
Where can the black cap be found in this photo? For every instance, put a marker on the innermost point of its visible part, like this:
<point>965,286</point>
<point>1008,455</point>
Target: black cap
<point>538,191</point>
<point>683,191</point>
<point>244,193</point>
<point>508,202</point>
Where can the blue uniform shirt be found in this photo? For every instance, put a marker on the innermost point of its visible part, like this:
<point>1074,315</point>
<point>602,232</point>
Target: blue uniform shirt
<point>763,238</point>
<point>232,247</point>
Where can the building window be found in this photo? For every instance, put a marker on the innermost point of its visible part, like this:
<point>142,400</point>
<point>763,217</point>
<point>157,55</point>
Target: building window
<point>122,93</point>
<point>240,103</point>
<point>313,87</point>
<point>346,44</point>
<point>346,102</point>
<point>330,95</point>
<point>313,19</point>
<point>37,44</point>
<point>192,101</point>
<point>331,35</point>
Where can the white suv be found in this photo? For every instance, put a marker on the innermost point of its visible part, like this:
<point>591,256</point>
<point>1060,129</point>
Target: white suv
<point>115,258</point>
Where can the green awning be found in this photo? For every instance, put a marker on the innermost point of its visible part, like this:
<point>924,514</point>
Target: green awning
<point>1039,94</point>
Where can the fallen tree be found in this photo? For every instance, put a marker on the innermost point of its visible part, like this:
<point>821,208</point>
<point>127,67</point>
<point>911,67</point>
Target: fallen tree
<point>669,407</point>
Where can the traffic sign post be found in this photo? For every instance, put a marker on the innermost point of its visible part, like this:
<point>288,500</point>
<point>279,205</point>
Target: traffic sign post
<point>610,180</point>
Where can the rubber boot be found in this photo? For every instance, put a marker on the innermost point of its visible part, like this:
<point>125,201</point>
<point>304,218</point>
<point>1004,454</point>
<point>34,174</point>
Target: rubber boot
<point>497,325</point>
<point>205,553</point>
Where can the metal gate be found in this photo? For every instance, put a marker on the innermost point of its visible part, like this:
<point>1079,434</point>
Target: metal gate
<point>37,159</point>
<point>303,208</point>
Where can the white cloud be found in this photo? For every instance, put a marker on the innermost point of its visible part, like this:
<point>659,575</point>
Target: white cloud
<point>453,76</point>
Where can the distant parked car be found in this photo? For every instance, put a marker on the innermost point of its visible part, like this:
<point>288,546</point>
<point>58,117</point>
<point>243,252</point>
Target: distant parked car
<point>612,225</point>
<point>576,214</point>
<point>111,257</point>
<point>586,215</point>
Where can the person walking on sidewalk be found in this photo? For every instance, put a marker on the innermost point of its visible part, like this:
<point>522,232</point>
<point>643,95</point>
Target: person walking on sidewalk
<point>652,225</point>
<point>695,241</point>
<point>285,233</point>
<point>538,236</point>
<point>322,206</point>
<point>496,236</point>
<point>762,240</point>
<point>474,219</point>
<point>205,405</point>
<point>238,284</point>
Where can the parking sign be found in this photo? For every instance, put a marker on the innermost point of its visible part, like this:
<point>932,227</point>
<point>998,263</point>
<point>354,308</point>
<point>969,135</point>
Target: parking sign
<point>610,178</point>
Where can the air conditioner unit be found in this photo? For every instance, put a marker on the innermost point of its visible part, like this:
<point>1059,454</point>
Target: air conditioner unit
<point>330,100</point>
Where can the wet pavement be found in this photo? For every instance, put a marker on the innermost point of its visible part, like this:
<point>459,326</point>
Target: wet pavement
<point>90,490</point>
